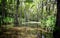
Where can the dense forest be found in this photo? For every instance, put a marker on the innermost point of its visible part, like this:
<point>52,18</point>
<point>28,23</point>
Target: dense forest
<point>40,14</point>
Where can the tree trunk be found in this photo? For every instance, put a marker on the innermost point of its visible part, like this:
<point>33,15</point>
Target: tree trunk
<point>3,10</point>
<point>3,14</point>
<point>16,15</point>
<point>56,32</point>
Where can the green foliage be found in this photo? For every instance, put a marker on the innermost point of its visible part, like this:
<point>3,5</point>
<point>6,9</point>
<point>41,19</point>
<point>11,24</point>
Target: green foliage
<point>31,10</point>
<point>29,1</point>
<point>8,19</point>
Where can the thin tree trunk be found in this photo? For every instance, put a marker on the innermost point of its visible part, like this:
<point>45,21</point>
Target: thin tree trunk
<point>3,10</point>
<point>16,16</point>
